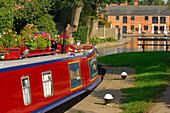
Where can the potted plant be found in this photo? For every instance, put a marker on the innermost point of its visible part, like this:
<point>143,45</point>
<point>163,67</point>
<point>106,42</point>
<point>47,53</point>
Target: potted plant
<point>60,42</point>
<point>2,53</point>
<point>37,43</point>
<point>12,44</point>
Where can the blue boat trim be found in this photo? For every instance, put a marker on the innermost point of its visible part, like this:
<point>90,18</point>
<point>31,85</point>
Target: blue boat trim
<point>92,52</point>
<point>42,63</point>
<point>30,65</point>
<point>69,97</point>
<point>12,49</point>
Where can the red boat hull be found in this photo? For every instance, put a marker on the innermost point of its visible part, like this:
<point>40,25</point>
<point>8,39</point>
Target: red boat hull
<point>64,85</point>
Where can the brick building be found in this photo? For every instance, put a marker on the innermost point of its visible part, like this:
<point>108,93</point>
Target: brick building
<point>138,19</point>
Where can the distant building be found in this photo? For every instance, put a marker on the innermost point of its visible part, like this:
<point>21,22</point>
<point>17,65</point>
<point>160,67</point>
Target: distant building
<point>138,19</point>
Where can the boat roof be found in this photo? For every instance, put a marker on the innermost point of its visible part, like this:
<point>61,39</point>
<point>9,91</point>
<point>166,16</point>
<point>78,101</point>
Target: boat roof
<point>40,60</point>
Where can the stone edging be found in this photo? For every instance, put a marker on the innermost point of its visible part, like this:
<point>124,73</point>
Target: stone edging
<point>113,44</point>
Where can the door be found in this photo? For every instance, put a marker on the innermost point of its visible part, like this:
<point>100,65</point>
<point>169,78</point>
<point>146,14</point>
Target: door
<point>124,29</point>
<point>162,28</point>
<point>155,29</point>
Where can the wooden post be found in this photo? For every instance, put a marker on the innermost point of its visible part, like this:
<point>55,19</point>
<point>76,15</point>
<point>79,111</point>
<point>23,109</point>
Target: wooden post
<point>143,46</point>
<point>167,45</point>
<point>64,40</point>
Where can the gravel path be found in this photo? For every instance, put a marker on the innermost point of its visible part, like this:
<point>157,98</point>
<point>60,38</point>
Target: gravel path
<point>162,105</point>
<point>112,83</point>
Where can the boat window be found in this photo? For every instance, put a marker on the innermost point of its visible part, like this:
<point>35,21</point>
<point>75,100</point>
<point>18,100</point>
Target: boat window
<point>47,83</point>
<point>75,75</point>
<point>26,90</point>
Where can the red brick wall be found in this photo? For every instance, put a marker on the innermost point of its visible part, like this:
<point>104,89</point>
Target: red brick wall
<point>138,20</point>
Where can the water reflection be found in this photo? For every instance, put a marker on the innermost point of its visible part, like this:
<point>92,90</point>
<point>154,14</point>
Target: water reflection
<point>132,46</point>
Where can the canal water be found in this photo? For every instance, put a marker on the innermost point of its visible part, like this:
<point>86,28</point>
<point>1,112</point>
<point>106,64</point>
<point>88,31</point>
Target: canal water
<point>133,46</point>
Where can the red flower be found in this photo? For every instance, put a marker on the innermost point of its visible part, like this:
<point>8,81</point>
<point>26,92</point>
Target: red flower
<point>61,36</point>
<point>46,35</point>
<point>22,40</point>
<point>35,34</point>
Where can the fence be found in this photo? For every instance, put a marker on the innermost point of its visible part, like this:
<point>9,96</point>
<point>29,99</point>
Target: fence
<point>103,32</point>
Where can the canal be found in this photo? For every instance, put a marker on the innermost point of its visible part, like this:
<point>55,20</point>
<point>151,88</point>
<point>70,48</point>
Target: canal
<point>132,46</point>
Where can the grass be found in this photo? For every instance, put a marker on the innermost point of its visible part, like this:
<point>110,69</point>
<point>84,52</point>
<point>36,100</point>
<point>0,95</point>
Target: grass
<point>152,75</point>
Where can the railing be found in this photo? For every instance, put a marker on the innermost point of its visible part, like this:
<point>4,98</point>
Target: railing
<point>153,39</point>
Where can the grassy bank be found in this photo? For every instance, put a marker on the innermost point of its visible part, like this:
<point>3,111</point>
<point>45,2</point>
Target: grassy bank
<point>152,75</point>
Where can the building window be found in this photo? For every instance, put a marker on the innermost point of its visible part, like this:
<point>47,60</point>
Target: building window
<point>125,19</point>
<point>162,20</point>
<point>117,17</point>
<point>47,83</point>
<point>154,20</point>
<point>145,27</point>
<point>116,26</point>
<point>26,90</point>
<point>132,28</point>
<point>132,17</point>
<point>169,28</point>
<point>146,17</point>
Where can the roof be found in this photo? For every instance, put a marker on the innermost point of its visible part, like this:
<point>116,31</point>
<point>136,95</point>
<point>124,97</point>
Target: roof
<point>138,10</point>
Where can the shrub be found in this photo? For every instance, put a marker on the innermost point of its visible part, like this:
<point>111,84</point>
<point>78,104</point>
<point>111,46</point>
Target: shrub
<point>45,23</point>
<point>2,50</point>
<point>28,29</point>
<point>108,24</point>
<point>111,39</point>
<point>10,39</point>
<point>35,41</point>
<point>81,34</point>
<point>95,39</point>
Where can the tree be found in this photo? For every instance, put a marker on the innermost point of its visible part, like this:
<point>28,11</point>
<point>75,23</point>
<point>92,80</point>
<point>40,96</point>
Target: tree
<point>46,24</point>
<point>151,2</point>
<point>29,12</point>
<point>158,2</point>
<point>6,14</point>
<point>94,16</point>
<point>168,3</point>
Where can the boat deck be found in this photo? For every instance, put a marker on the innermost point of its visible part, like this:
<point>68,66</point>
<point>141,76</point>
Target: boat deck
<point>37,59</point>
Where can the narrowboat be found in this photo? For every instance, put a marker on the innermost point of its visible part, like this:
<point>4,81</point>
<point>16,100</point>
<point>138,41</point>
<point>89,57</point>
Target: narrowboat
<point>39,84</point>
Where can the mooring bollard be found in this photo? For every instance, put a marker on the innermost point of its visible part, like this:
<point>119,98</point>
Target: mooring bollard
<point>108,98</point>
<point>123,75</point>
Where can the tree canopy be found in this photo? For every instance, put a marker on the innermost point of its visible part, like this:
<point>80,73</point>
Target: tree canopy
<point>56,15</point>
<point>152,2</point>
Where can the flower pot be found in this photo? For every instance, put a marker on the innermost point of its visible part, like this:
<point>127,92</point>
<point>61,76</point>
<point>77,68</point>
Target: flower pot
<point>38,52</point>
<point>14,53</point>
<point>2,55</point>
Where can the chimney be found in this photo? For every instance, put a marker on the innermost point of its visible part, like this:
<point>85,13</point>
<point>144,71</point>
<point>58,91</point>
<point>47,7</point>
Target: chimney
<point>135,3</point>
<point>124,3</point>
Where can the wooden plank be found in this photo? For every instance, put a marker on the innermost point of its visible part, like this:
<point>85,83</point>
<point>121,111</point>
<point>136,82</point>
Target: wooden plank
<point>153,44</point>
<point>152,39</point>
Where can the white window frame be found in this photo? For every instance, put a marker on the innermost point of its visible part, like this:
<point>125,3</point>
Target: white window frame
<point>26,90</point>
<point>47,83</point>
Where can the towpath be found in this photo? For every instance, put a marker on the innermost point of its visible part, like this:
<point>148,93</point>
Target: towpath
<point>112,83</point>
<point>162,105</point>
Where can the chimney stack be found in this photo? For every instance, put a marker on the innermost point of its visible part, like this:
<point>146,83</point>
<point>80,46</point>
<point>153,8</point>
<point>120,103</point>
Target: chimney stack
<point>135,3</point>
